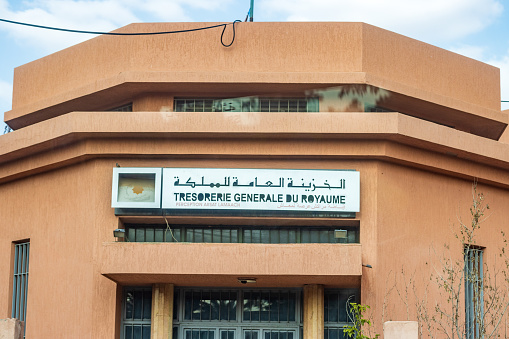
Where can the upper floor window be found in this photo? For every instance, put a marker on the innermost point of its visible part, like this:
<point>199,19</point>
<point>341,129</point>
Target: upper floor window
<point>247,104</point>
<point>368,108</point>
<point>237,234</point>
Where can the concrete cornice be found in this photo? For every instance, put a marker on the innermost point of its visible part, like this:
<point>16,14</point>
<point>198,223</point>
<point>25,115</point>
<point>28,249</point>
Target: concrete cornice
<point>266,59</point>
<point>390,137</point>
<point>126,85</point>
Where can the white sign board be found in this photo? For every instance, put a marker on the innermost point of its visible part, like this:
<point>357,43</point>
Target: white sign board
<point>261,189</point>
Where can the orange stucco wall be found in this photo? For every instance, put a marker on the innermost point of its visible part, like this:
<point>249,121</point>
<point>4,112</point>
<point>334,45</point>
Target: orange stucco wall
<point>64,284</point>
<point>418,214</point>
<point>416,176</point>
<point>66,214</point>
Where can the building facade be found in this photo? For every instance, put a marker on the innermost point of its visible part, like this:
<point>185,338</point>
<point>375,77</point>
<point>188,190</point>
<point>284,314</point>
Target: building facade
<point>256,188</point>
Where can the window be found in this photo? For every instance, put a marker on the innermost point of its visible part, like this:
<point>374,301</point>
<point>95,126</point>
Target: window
<point>236,234</point>
<point>335,311</point>
<point>237,313</point>
<point>124,108</point>
<point>269,306</point>
<point>474,300</point>
<point>20,280</point>
<point>369,108</point>
<point>210,305</point>
<point>136,313</point>
<point>213,313</point>
<point>247,104</point>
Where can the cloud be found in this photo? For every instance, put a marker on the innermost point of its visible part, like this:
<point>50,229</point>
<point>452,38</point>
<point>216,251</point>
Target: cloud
<point>5,95</point>
<point>90,15</point>
<point>5,102</point>
<point>471,51</point>
<point>428,20</point>
<point>79,15</point>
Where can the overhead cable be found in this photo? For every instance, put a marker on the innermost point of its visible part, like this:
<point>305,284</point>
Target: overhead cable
<point>132,34</point>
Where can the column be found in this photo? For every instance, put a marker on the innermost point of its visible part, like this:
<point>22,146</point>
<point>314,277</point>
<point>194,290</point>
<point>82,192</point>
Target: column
<point>313,312</point>
<point>162,311</point>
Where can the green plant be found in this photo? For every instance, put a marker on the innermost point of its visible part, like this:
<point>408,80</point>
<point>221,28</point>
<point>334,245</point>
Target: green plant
<point>356,313</point>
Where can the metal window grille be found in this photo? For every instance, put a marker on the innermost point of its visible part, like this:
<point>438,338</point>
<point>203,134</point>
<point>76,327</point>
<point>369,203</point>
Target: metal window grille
<point>20,281</point>
<point>278,334</point>
<point>124,108</point>
<point>336,311</point>
<point>335,304</point>
<point>153,234</point>
<point>269,306</point>
<point>247,104</point>
<point>376,109</point>
<point>209,305</point>
<point>253,313</point>
<point>227,334</point>
<point>235,234</point>
<point>474,288</point>
<point>194,105</point>
<point>334,333</point>
<point>222,313</point>
<point>199,333</point>
<point>251,334</point>
<point>136,313</point>
<point>285,105</point>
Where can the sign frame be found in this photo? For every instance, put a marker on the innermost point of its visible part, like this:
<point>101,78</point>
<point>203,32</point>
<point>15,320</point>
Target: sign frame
<point>252,190</point>
<point>141,172</point>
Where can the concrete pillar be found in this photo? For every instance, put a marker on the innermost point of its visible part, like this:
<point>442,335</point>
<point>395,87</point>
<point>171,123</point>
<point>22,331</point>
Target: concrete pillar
<point>162,311</point>
<point>11,329</point>
<point>401,330</point>
<point>313,312</point>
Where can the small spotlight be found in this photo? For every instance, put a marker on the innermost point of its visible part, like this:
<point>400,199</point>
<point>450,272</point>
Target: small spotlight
<point>340,234</point>
<point>246,280</point>
<point>119,233</point>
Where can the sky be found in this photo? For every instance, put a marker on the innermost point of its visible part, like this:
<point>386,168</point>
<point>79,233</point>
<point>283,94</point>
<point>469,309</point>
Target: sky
<point>478,29</point>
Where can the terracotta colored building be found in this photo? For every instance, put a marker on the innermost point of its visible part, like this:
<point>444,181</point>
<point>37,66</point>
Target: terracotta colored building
<point>256,188</point>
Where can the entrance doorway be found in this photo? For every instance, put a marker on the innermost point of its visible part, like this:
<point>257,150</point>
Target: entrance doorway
<point>237,314</point>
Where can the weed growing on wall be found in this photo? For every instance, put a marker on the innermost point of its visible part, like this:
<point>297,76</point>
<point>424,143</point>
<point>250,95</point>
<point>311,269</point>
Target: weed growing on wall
<point>360,325</point>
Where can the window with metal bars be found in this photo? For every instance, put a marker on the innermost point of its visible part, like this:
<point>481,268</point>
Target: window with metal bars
<point>210,305</point>
<point>334,333</point>
<point>267,306</point>
<point>247,104</point>
<point>136,313</point>
<point>199,333</point>
<point>257,306</point>
<point>237,234</point>
<point>474,292</point>
<point>20,280</point>
<point>369,108</point>
<point>336,311</point>
<point>278,334</point>
<point>254,313</point>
